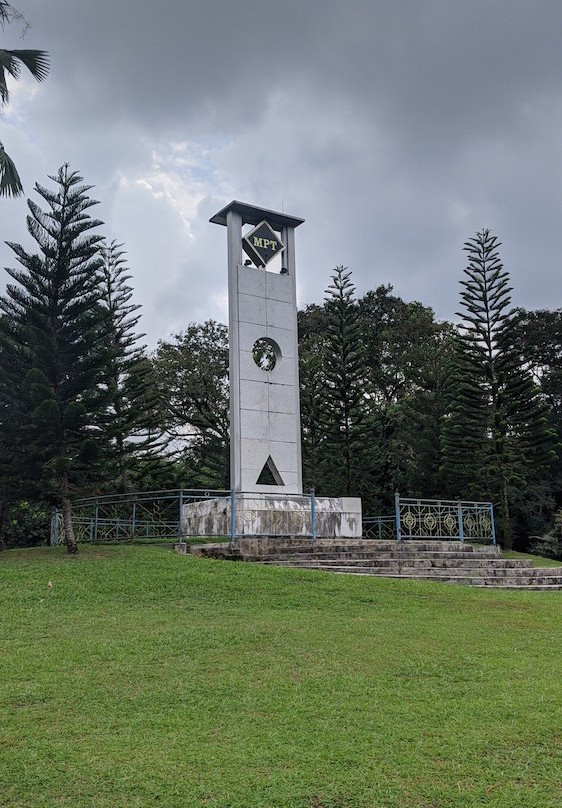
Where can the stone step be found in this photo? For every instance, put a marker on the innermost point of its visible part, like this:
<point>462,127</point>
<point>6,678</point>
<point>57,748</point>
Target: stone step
<point>513,583</point>
<point>532,587</point>
<point>424,563</point>
<point>412,567</point>
<point>501,576</point>
<point>421,544</point>
<point>375,547</point>
<point>383,547</point>
<point>445,561</point>
<point>406,569</point>
<point>521,581</point>
<point>428,558</point>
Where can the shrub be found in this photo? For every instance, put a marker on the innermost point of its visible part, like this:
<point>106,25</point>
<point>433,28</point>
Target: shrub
<point>550,545</point>
<point>26,524</point>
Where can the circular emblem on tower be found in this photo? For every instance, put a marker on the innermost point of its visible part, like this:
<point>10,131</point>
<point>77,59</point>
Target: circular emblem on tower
<point>262,244</point>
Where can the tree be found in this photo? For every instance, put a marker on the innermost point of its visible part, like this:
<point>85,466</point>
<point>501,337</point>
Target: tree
<point>344,419</point>
<point>403,355</point>
<point>10,375</point>
<point>54,328</point>
<point>540,345</point>
<point>313,324</point>
<point>401,365</point>
<point>192,374</point>
<point>131,431</point>
<point>496,429</point>
<point>422,415</point>
<point>37,62</point>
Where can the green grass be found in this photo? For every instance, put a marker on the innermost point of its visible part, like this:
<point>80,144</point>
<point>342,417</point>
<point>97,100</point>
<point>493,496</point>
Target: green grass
<point>538,561</point>
<point>142,678</point>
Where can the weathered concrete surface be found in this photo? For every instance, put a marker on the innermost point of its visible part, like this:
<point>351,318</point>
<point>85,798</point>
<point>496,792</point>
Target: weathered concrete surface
<point>451,562</point>
<point>259,515</point>
<point>263,306</point>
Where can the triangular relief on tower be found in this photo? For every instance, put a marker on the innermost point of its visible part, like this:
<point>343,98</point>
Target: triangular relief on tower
<point>269,475</point>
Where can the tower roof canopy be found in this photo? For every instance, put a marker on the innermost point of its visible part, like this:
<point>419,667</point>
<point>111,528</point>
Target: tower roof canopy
<point>252,215</point>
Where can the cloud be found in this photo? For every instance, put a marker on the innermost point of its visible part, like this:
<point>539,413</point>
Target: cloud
<point>395,129</point>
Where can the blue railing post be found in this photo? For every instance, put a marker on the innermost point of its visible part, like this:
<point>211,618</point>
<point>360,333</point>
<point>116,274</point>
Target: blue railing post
<point>492,524</point>
<point>459,517</point>
<point>313,513</point>
<point>232,515</point>
<point>134,516</point>
<point>397,509</point>
<point>180,520</point>
<point>96,519</point>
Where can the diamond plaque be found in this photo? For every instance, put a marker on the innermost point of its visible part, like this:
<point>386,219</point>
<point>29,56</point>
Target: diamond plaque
<point>262,244</point>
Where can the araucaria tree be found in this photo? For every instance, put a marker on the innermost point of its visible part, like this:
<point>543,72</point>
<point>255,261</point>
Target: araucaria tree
<point>344,423</point>
<point>54,329</point>
<point>131,425</point>
<point>496,429</point>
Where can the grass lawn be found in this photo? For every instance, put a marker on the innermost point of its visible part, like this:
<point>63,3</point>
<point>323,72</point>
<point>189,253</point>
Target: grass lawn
<point>538,561</point>
<point>142,678</point>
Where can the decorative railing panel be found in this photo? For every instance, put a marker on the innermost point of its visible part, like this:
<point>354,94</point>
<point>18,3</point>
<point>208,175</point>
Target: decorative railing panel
<point>436,519</point>
<point>445,519</point>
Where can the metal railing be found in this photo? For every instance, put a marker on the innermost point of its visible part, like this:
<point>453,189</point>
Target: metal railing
<point>379,527</point>
<point>123,517</point>
<point>184,514</point>
<point>437,519</point>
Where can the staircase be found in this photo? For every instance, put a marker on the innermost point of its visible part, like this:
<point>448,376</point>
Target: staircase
<point>450,561</point>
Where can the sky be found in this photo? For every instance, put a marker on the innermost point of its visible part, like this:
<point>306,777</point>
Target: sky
<point>395,128</point>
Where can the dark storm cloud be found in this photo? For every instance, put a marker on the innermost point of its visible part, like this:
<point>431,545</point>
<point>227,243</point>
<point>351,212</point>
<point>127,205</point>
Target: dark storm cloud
<point>395,128</point>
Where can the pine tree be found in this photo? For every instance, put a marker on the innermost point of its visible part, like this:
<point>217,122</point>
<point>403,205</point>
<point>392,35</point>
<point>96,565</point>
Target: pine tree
<point>53,329</point>
<point>312,329</point>
<point>9,378</point>
<point>344,420</point>
<point>496,429</point>
<point>131,424</point>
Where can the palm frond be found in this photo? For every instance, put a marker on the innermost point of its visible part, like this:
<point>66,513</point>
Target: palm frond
<point>10,183</point>
<point>10,14</point>
<point>36,61</point>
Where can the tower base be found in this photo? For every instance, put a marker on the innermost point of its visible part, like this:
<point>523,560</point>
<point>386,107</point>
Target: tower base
<point>265,515</point>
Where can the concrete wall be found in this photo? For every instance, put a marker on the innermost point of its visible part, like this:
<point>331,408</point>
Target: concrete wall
<point>284,516</point>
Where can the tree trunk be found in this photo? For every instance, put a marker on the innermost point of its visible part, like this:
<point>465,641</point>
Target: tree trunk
<point>505,515</point>
<point>71,545</point>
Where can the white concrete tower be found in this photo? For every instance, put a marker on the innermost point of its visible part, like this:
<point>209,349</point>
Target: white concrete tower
<point>265,433</point>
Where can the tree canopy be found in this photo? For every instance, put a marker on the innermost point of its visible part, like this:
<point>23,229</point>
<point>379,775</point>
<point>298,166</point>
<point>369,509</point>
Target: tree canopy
<point>391,399</point>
